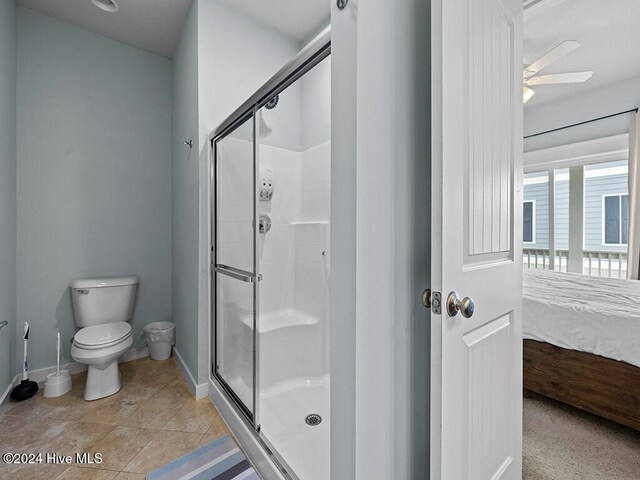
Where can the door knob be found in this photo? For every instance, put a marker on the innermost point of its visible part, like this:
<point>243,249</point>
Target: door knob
<point>466,306</point>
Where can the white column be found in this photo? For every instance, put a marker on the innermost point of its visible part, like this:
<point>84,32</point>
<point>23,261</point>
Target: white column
<point>576,219</point>
<point>552,220</point>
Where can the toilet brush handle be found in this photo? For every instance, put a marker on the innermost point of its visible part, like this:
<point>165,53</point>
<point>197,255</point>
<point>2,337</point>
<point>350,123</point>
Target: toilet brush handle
<point>58,357</point>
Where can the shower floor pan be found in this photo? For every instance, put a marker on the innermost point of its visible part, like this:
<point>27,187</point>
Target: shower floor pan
<point>284,409</point>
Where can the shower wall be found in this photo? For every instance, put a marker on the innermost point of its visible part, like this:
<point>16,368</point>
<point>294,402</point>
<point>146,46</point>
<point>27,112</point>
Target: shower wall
<point>293,259</point>
<point>294,255</point>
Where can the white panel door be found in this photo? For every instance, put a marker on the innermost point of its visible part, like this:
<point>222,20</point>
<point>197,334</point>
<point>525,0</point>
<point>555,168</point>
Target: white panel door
<point>477,234</point>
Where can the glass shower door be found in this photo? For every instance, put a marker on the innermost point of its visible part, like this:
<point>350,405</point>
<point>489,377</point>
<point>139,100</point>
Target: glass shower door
<point>234,264</point>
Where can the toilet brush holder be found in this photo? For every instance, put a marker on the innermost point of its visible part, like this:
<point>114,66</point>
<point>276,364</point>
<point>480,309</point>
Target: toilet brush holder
<point>57,384</point>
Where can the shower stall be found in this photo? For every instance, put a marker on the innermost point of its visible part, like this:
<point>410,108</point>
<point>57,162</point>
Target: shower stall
<point>270,191</point>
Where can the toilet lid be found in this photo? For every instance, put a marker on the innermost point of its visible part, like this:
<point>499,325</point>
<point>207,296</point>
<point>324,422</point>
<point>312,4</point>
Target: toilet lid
<point>100,336</point>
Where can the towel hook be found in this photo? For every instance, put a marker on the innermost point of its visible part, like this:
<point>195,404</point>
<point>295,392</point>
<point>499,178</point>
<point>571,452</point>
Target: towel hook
<point>189,143</point>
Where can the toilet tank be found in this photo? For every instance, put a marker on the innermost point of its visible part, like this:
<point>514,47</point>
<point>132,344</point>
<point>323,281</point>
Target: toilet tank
<point>97,301</point>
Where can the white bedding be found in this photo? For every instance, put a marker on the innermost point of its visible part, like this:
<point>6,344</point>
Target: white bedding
<point>589,314</point>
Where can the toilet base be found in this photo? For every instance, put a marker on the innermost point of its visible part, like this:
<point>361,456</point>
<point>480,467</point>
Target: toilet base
<point>102,382</point>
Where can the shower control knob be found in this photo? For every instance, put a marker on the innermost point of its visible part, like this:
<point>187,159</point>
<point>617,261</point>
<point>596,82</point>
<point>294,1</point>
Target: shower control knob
<point>466,306</point>
<point>264,223</point>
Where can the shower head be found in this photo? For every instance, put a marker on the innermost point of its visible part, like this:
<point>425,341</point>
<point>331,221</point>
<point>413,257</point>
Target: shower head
<point>271,104</point>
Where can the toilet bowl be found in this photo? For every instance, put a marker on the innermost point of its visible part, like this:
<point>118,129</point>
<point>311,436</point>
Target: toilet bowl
<point>102,309</point>
<point>99,347</point>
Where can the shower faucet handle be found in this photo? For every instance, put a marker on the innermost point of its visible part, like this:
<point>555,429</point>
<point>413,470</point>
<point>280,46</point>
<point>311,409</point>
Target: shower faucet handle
<point>3,324</point>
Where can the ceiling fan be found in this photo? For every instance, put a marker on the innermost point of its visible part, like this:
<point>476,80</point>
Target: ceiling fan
<point>530,75</point>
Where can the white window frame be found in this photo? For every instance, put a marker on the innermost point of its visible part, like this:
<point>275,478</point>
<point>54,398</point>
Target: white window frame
<point>534,218</point>
<point>603,232</point>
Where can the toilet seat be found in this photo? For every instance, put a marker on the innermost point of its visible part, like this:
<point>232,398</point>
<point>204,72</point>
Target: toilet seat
<point>102,336</point>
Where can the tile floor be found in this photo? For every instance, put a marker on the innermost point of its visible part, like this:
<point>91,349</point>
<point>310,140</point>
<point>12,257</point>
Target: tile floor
<point>150,422</point>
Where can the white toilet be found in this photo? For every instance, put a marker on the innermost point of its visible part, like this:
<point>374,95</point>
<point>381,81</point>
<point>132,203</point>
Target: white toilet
<point>102,308</point>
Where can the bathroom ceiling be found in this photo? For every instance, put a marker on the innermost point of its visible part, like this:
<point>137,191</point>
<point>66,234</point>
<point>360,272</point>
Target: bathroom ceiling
<point>153,25</point>
<point>296,19</point>
<point>610,41</point>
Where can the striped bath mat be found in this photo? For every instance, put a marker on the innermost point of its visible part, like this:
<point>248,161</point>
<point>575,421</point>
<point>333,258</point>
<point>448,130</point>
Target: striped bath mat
<point>219,460</point>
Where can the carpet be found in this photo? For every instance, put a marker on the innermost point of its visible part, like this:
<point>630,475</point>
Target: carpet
<point>218,460</point>
<point>565,443</point>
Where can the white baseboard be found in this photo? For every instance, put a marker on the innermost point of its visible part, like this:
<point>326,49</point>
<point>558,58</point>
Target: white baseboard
<point>199,391</point>
<point>5,396</point>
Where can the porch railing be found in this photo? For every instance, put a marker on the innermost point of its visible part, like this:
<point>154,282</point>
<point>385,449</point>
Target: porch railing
<point>595,263</point>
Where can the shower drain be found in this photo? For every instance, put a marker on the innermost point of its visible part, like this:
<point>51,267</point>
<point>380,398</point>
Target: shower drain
<point>313,420</point>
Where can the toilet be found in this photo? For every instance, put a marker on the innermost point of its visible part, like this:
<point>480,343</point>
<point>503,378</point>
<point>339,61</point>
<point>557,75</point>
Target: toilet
<point>102,308</point>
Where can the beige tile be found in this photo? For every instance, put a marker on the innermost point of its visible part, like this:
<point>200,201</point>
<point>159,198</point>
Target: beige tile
<point>140,390</point>
<point>78,438</point>
<point>218,428</point>
<point>130,476</point>
<point>33,472</point>
<point>76,473</point>
<point>207,439</point>
<point>193,416</point>
<point>153,413</point>
<point>18,434</point>
<point>165,447</point>
<point>121,446</point>
<point>112,410</point>
<point>176,390</point>
<point>33,407</point>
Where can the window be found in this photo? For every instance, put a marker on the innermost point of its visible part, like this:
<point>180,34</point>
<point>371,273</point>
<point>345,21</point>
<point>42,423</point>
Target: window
<point>529,221</point>
<point>615,219</point>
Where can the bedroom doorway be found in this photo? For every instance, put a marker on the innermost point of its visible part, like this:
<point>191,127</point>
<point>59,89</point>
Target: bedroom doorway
<point>581,372</point>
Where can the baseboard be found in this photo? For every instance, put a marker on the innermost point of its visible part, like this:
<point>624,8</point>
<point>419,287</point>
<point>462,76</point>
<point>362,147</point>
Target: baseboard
<point>5,396</point>
<point>199,391</point>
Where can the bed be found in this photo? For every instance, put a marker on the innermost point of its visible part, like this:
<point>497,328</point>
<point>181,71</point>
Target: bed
<point>582,342</point>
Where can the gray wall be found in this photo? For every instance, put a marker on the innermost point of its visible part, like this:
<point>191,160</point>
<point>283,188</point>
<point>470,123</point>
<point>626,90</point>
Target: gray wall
<point>599,102</point>
<point>7,188</point>
<point>184,180</point>
<point>94,174</point>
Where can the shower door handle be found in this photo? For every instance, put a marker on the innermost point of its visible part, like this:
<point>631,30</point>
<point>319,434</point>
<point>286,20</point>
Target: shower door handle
<point>236,273</point>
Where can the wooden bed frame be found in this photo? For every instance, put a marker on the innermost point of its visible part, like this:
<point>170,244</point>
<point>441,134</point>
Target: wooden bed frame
<point>605,387</point>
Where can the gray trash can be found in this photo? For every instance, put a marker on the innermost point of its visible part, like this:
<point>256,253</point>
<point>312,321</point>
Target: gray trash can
<point>160,336</point>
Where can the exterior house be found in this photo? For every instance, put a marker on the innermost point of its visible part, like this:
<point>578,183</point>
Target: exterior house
<point>605,208</point>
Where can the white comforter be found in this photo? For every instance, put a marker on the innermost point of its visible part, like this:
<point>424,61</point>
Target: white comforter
<point>590,314</point>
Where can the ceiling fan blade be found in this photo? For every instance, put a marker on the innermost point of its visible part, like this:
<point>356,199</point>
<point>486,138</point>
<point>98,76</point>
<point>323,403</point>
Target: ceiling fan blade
<point>575,77</point>
<point>565,48</point>
<point>527,93</point>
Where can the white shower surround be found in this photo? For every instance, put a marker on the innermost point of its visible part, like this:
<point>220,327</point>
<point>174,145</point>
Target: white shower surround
<point>294,327</point>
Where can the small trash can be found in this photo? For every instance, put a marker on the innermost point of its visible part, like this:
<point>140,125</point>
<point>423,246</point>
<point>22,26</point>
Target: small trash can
<point>160,336</point>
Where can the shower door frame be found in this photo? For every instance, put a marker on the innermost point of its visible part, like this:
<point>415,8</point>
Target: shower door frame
<point>251,414</point>
<point>308,58</point>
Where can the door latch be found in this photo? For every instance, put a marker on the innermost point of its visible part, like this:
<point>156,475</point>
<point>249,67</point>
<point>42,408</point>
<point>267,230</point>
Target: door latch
<point>432,300</point>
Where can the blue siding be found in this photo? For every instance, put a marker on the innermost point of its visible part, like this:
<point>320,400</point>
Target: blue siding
<point>595,188</point>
